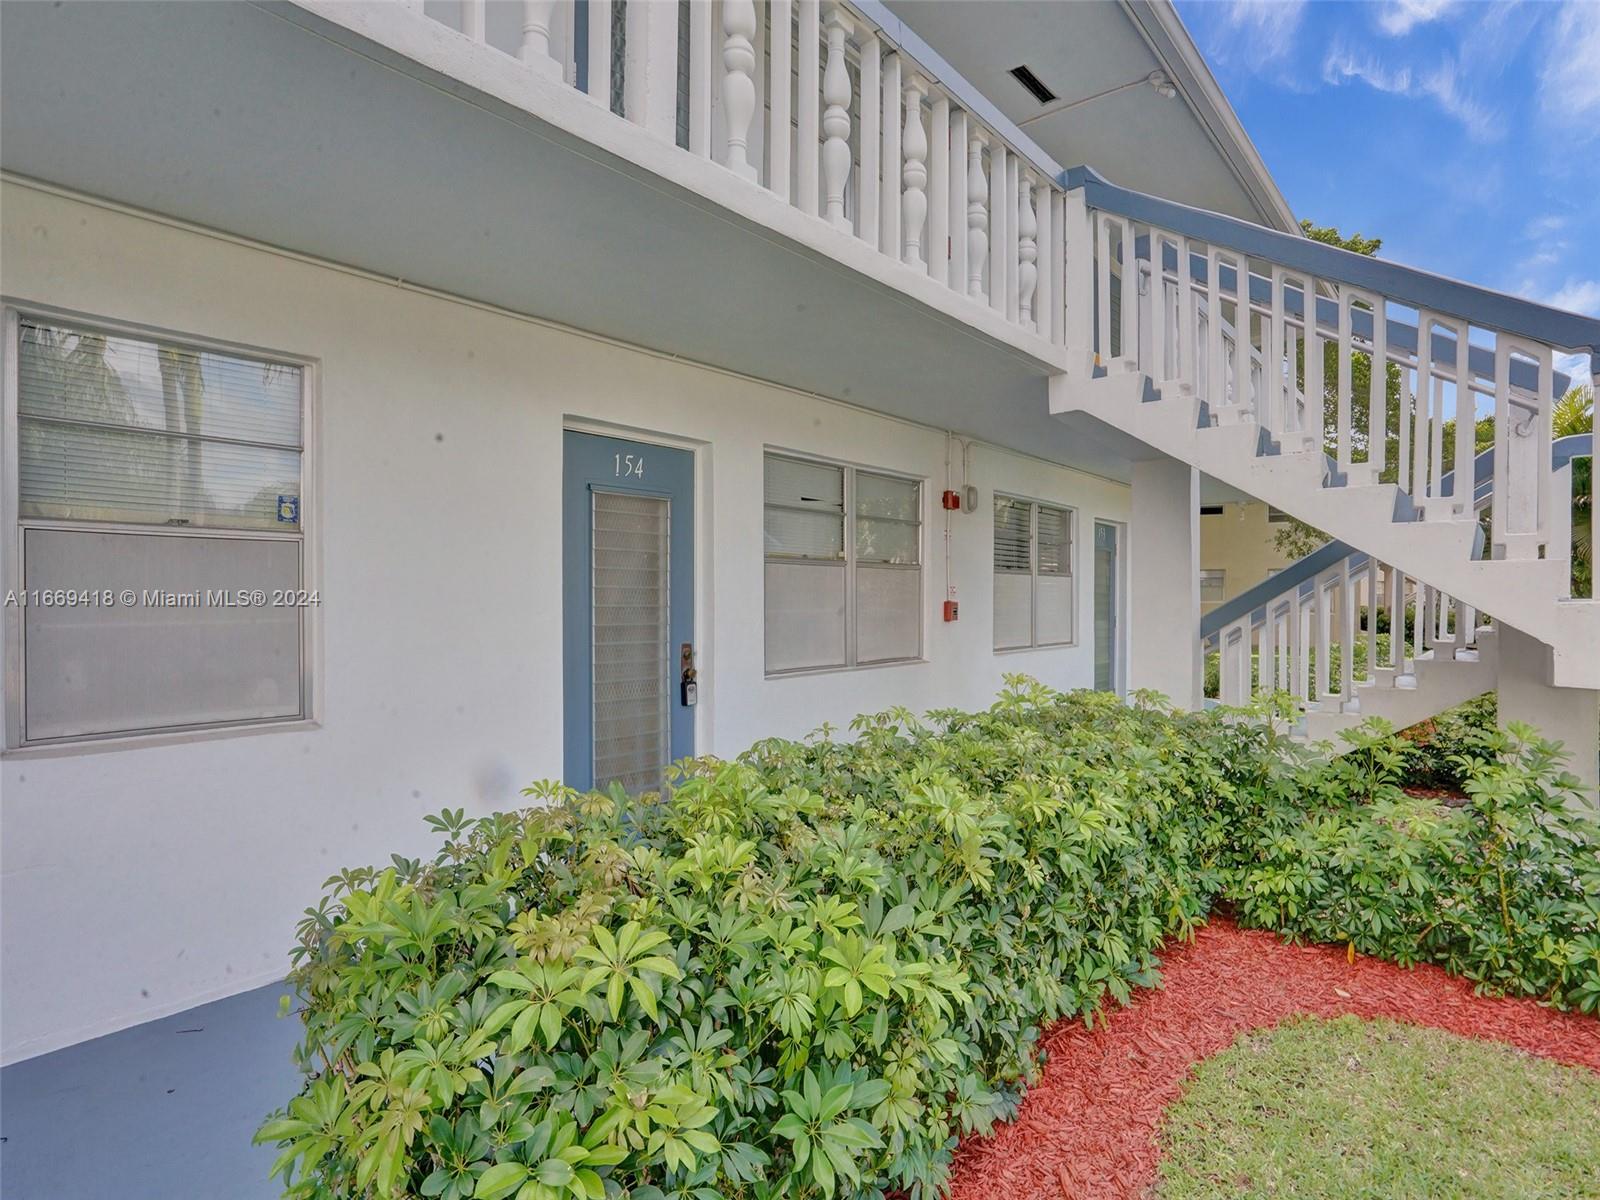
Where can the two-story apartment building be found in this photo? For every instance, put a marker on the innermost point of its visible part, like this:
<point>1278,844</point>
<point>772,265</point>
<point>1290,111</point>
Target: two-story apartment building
<point>409,400</point>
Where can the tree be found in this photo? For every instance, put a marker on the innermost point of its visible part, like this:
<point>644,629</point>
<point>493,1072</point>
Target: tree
<point>1574,413</point>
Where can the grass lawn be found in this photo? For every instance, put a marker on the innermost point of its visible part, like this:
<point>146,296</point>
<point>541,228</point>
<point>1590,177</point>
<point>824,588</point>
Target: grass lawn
<point>1350,1108</point>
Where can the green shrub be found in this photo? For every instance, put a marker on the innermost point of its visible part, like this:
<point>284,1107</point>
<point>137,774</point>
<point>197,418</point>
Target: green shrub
<point>1448,743</point>
<point>1504,891</point>
<point>810,971</point>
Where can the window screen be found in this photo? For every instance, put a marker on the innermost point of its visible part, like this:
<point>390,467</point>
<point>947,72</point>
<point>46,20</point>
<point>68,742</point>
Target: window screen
<point>1034,601</point>
<point>204,450</point>
<point>1213,585</point>
<point>843,566</point>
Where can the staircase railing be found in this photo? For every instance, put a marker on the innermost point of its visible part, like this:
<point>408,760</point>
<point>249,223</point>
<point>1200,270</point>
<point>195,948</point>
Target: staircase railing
<point>1301,630</point>
<point>1218,308</point>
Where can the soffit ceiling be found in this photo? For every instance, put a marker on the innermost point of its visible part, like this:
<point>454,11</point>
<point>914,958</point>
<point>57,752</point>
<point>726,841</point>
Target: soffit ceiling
<point>1134,137</point>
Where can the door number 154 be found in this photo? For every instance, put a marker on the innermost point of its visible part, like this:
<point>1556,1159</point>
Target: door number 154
<point>630,465</point>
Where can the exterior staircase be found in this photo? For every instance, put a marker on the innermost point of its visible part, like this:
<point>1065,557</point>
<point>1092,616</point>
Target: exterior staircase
<point>1209,342</point>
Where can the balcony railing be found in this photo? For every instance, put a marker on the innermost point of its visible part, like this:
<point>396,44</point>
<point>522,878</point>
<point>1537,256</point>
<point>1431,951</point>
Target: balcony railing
<point>838,109</point>
<point>1242,317</point>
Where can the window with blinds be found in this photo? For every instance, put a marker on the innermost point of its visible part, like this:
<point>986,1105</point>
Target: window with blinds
<point>1034,601</point>
<point>161,531</point>
<point>843,566</point>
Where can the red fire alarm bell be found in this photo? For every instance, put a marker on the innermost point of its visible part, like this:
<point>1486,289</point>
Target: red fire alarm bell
<point>952,609</point>
<point>952,502</point>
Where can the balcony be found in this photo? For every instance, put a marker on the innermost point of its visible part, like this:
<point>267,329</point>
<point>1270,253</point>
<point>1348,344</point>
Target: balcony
<point>837,211</point>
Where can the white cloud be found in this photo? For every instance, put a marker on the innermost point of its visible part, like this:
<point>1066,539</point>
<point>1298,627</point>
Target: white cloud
<point>1569,84</point>
<point>1442,85</point>
<point>1342,64</point>
<point>1264,30</point>
<point>1577,295</point>
<point>1402,16</point>
<point>1544,226</point>
<point>1576,368</point>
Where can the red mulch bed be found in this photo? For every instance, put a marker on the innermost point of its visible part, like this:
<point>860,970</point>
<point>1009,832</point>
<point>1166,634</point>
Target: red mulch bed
<point>1088,1130</point>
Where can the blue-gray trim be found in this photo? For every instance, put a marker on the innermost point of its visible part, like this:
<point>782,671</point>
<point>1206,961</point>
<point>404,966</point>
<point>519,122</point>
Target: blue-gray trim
<point>1404,285</point>
<point>1301,573</point>
<point>1401,335</point>
<point>587,460</point>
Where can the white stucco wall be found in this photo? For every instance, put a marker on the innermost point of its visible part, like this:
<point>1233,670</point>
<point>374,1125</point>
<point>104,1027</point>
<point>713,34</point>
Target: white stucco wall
<point>141,881</point>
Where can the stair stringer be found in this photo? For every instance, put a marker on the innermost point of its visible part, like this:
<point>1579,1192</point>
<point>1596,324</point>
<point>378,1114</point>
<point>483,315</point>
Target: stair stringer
<point>1527,593</point>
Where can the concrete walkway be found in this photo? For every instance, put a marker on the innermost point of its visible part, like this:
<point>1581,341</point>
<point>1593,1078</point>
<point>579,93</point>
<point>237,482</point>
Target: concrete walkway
<point>162,1111</point>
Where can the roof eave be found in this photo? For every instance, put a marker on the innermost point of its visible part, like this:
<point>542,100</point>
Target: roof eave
<point>1161,27</point>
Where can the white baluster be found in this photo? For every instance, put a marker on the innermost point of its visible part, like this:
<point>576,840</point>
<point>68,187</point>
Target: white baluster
<point>914,173</point>
<point>1274,406</point>
<point>1378,390</point>
<point>1347,640</point>
<point>1372,618</point>
<point>599,81</point>
<point>1158,307</point>
<point>535,49</point>
<point>836,120</point>
<point>1027,250</point>
<point>977,216</point>
<point>738,84</point>
<point>1342,398</point>
<point>1467,428</point>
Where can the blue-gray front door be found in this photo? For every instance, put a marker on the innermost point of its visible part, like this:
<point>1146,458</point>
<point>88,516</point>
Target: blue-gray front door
<point>628,605</point>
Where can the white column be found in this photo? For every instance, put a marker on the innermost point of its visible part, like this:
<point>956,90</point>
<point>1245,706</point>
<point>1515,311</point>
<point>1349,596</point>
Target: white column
<point>738,82</point>
<point>999,300</point>
<point>535,49</point>
<point>808,89</point>
<point>1164,581</point>
<point>869,181</point>
<point>474,18</point>
<point>914,173</point>
<point>1570,716</point>
<point>1027,249</point>
<point>939,191</point>
<point>650,78</point>
<point>889,192</point>
<point>1077,248</point>
<point>977,215</point>
<point>958,201</point>
<point>836,120</point>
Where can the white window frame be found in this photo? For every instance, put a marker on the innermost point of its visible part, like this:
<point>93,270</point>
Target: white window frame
<point>13,527</point>
<point>1219,576</point>
<point>1073,530</point>
<point>852,660</point>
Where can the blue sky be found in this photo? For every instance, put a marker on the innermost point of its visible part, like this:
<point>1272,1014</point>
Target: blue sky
<point>1465,134</point>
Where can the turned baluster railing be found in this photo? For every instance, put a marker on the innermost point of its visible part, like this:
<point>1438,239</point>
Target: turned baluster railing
<point>837,108</point>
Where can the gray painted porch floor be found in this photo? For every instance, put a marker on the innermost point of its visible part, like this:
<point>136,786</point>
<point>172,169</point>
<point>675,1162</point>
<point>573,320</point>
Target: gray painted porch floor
<point>162,1111</point>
